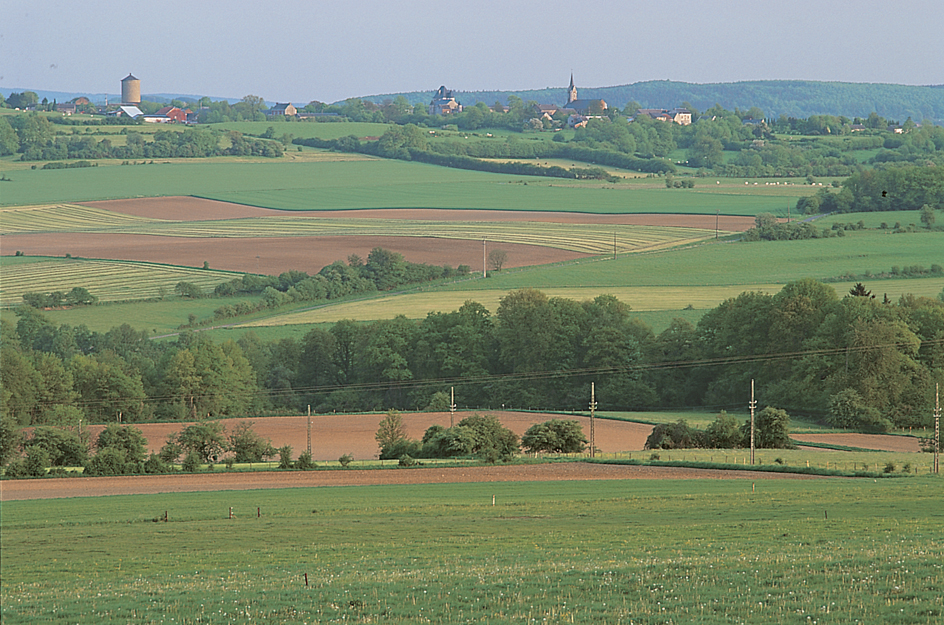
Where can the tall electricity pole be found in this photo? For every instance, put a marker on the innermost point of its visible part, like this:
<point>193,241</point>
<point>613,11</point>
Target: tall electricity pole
<point>484,262</point>
<point>309,429</point>
<point>753,405</point>
<point>593,409</point>
<point>452,406</point>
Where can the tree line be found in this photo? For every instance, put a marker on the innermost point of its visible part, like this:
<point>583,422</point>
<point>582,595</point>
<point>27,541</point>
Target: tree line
<point>854,361</point>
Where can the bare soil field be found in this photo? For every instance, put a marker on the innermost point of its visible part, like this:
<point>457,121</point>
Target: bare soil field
<point>272,255</point>
<point>57,488</point>
<point>196,209</point>
<point>332,436</point>
<point>880,442</point>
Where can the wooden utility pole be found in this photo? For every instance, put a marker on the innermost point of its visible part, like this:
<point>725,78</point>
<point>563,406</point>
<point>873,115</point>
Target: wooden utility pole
<point>484,261</point>
<point>753,405</point>
<point>452,406</point>
<point>937,427</point>
<point>309,429</point>
<point>717,219</point>
<point>593,409</point>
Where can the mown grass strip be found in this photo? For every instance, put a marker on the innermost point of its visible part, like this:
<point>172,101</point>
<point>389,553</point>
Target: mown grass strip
<point>108,280</point>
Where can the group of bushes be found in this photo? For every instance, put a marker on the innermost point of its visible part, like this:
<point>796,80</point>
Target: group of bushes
<point>478,436</point>
<point>771,431</point>
<point>77,296</point>
<point>122,450</point>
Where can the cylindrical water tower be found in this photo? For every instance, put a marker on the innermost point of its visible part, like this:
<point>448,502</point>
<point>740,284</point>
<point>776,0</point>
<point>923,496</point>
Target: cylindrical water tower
<point>130,90</point>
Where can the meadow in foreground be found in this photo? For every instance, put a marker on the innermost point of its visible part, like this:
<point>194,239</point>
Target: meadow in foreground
<point>728,551</point>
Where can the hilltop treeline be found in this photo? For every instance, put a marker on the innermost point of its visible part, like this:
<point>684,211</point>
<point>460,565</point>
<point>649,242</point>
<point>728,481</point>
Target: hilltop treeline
<point>788,98</point>
<point>856,361</point>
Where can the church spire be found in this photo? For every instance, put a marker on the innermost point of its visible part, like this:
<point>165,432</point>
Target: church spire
<point>571,90</point>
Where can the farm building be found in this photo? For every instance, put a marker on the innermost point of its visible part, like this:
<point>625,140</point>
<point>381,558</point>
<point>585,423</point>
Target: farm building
<point>281,109</point>
<point>167,115</point>
<point>683,117</point>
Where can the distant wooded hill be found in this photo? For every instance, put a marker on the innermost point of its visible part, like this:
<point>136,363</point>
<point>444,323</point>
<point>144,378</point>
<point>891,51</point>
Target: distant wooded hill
<point>792,98</point>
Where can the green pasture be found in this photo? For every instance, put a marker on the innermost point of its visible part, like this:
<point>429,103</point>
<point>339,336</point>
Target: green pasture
<point>108,280</point>
<point>733,263</point>
<point>874,219</point>
<point>156,317</point>
<point>372,183</point>
<point>635,551</point>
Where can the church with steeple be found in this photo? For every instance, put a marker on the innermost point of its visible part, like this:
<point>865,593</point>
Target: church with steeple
<point>589,107</point>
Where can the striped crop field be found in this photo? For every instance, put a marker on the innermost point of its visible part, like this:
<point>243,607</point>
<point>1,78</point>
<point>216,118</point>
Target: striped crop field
<point>582,238</point>
<point>108,280</point>
<point>64,218</point>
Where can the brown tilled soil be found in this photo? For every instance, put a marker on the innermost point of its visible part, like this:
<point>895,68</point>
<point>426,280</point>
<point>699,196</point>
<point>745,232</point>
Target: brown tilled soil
<point>335,435</point>
<point>272,255</point>
<point>880,442</point>
<point>13,490</point>
<point>194,209</point>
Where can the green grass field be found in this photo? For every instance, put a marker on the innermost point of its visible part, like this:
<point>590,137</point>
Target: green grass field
<point>108,280</point>
<point>373,183</point>
<point>645,552</point>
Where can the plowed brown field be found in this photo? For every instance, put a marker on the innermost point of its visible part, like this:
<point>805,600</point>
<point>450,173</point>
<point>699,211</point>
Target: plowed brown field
<point>272,255</point>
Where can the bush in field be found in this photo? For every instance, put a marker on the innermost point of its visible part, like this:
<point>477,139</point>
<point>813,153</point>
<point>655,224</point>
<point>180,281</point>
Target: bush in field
<point>492,439</point>
<point>191,462</point>
<point>249,446</point>
<point>285,457</point>
<point>36,462</point>
<point>676,435</point>
<point>440,442</point>
<point>128,439</point>
<point>724,432</point>
<point>64,447</point>
<point>401,447</point>
<point>154,465</point>
<point>304,462</point>
<point>171,449</point>
<point>771,430</point>
<point>110,461</point>
<point>346,459</point>
<point>555,436</point>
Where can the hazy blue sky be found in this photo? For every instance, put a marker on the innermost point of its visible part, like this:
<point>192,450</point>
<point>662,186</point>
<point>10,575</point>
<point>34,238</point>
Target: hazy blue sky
<point>332,50</point>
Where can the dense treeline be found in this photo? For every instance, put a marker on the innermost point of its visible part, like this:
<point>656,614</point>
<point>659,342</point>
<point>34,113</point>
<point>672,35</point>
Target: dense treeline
<point>384,270</point>
<point>856,361</point>
<point>35,138</point>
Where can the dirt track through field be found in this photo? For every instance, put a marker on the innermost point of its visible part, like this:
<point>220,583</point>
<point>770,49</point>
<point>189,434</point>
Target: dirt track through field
<point>58,488</point>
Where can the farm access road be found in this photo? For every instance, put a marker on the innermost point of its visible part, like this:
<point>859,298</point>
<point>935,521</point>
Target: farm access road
<point>58,488</point>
